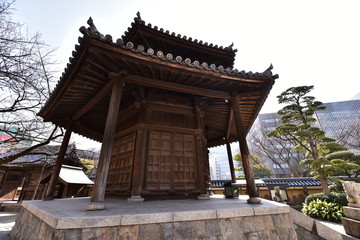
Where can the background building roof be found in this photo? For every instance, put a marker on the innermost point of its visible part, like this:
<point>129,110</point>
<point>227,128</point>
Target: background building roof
<point>74,175</point>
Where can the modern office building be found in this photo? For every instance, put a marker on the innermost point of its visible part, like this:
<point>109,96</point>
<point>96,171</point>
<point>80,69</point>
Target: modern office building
<point>219,162</point>
<point>340,120</point>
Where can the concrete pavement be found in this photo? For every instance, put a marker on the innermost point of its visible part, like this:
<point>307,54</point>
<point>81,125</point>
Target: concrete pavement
<point>7,221</point>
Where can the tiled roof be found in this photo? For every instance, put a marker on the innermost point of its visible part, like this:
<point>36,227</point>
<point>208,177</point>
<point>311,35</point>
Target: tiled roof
<point>290,182</point>
<point>73,175</point>
<point>92,32</point>
<point>138,20</point>
<point>97,55</point>
<point>49,158</point>
<point>294,182</point>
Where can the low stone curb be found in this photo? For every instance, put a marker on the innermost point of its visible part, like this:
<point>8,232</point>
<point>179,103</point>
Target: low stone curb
<point>316,230</point>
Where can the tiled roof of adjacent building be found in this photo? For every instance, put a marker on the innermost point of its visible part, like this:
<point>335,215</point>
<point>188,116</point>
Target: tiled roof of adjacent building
<point>290,182</point>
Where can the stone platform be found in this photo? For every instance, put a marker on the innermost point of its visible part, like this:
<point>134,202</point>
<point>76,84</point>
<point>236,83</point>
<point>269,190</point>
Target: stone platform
<point>352,221</point>
<point>217,218</point>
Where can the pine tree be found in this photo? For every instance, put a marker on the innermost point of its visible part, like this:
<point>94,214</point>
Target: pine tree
<point>259,168</point>
<point>347,162</point>
<point>298,127</point>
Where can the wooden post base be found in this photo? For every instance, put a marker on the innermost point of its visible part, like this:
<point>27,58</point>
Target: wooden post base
<point>95,206</point>
<point>48,198</point>
<point>203,197</point>
<point>254,200</point>
<point>135,199</point>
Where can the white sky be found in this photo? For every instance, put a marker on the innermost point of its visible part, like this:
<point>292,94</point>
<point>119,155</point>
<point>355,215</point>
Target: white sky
<point>308,42</point>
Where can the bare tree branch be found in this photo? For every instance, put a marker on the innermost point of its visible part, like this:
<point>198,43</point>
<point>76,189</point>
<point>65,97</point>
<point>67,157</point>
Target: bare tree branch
<point>25,80</point>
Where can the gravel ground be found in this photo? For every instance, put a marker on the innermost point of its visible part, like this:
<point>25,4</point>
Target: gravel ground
<point>7,221</point>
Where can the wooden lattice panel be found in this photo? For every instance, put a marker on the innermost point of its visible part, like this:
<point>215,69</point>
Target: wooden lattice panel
<point>120,171</point>
<point>184,174</point>
<point>170,162</point>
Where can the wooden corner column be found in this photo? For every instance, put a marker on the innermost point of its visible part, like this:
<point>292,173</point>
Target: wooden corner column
<point>138,168</point>
<point>59,160</point>
<point>97,197</point>
<point>231,163</point>
<point>228,147</point>
<point>244,150</point>
<point>204,194</point>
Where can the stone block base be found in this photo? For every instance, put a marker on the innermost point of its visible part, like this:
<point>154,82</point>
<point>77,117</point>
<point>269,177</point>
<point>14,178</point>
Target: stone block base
<point>351,226</point>
<point>260,222</point>
<point>351,212</point>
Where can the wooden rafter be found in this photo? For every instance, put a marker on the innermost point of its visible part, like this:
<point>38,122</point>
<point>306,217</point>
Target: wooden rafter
<point>93,101</point>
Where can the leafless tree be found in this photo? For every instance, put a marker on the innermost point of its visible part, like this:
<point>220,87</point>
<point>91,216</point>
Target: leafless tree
<point>25,80</point>
<point>277,151</point>
<point>348,133</point>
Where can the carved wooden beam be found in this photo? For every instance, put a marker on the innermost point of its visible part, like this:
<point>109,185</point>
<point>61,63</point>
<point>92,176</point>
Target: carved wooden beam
<point>149,82</point>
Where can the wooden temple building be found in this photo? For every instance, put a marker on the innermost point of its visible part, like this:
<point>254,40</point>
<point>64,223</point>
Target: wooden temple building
<point>157,101</point>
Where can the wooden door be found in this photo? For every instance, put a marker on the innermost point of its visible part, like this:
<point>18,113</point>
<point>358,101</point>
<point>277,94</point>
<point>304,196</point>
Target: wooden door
<point>120,170</point>
<point>170,164</point>
<point>10,185</point>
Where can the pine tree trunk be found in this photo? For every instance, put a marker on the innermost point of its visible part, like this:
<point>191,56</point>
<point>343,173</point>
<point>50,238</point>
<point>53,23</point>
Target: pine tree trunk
<point>325,186</point>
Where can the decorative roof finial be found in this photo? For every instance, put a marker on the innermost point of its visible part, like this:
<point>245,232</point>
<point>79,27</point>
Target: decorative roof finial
<point>92,29</point>
<point>138,19</point>
<point>90,21</point>
<point>269,68</point>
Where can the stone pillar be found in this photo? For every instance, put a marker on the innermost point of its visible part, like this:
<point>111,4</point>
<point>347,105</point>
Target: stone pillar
<point>60,158</point>
<point>244,150</point>
<point>98,194</point>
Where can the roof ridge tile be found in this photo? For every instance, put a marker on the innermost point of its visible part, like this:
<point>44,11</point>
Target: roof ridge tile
<point>140,21</point>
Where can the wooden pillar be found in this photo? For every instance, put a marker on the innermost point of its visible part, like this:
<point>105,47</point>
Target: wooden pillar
<point>244,150</point>
<point>97,197</point>
<point>200,156</point>
<point>66,186</point>
<point>137,172</point>
<point>138,168</point>
<point>231,163</point>
<point>60,158</point>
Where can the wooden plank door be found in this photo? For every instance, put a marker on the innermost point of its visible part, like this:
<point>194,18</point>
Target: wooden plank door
<point>170,164</point>
<point>120,170</point>
<point>10,185</point>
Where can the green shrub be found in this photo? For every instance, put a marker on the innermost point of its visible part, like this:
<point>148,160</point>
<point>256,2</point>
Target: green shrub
<point>338,198</point>
<point>315,196</point>
<point>323,210</point>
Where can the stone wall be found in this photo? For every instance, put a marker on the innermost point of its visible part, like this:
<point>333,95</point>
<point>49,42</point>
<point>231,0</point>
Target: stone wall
<point>257,227</point>
<point>311,229</point>
<point>303,233</point>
